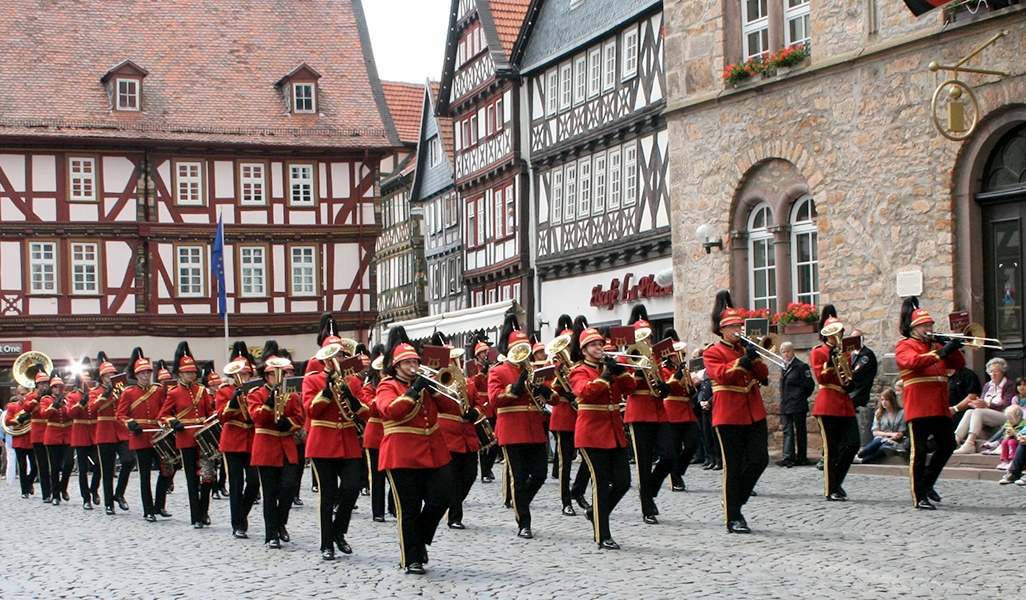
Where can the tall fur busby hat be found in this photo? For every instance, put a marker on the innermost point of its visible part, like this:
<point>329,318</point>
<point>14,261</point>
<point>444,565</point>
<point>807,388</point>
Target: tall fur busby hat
<point>638,313</point>
<point>912,315</point>
<point>326,328</point>
<point>184,360</point>
<point>241,351</point>
<point>270,350</point>
<point>509,326</point>
<point>398,346</point>
<point>564,324</point>
<point>722,303</point>
<point>827,311</point>
<point>133,358</point>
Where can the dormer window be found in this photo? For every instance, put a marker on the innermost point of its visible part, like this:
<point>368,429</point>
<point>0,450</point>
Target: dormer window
<point>124,86</point>
<point>299,89</point>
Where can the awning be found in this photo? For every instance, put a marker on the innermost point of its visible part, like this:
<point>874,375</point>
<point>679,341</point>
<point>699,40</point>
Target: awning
<point>921,7</point>
<point>488,317</point>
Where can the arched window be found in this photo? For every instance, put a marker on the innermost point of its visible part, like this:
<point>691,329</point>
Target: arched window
<point>762,274</point>
<point>804,252</point>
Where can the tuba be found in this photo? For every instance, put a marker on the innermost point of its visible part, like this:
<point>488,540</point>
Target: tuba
<point>520,356</point>
<point>25,366</point>
<point>337,379</point>
<point>280,396</point>
<point>838,358</point>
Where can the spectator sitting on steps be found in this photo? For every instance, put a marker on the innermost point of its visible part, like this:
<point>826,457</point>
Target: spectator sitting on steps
<point>987,409</point>
<point>889,430</point>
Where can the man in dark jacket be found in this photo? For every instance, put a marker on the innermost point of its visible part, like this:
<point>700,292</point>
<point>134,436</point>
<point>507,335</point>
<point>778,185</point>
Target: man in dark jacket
<point>863,374</point>
<point>796,385</point>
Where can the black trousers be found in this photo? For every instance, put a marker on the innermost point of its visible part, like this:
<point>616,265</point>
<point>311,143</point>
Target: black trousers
<point>62,462</point>
<point>279,489</point>
<point>146,458</point>
<point>377,486</point>
<point>191,466</point>
<point>745,456</point>
<point>703,432</point>
<point>1016,468</point>
<point>565,452</point>
<point>528,466</point>
<point>243,487</point>
<point>127,458</point>
<point>421,498</point>
<point>26,468</point>
<point>464,474</point>
<point>687,439</point>
<point>488,456</point>
<point>796,437</point>
<point>711,440</point>
<point>88,460</point>
<point>42,468</point>
<point>339,481</point>
<point>840,445</point>
<point>611,477</point>
<point>650,439</point>
<point>925,468</point>
<point>301,452</point>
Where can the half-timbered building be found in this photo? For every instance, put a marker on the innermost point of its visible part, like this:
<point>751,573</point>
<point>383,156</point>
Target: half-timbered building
<point>399,251</point>
<point>127,129</point>
<point>480,93</point>
<point>593,72</point>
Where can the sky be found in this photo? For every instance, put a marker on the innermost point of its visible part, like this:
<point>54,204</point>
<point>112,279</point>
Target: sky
<point>408,37</point>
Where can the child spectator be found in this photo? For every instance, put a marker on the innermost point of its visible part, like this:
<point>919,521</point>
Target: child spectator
<point>1013,423</point>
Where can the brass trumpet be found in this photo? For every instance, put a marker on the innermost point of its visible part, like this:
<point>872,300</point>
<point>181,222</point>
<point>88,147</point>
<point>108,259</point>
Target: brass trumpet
<point>973,337</point>
<point>840,360</point>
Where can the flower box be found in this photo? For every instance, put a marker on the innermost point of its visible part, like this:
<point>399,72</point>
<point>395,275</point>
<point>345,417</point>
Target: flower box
<point>785,71</point>
<point>799,328</point>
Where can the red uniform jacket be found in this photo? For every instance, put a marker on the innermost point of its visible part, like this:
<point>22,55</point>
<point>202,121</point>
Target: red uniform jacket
<point>31,406</point>
<point>925,377</point>
<point>270,446</point>
<point>412,438</point>
<point>736,396</point>
<point>642,405</point>
<point>517,418</point>
<point>142,406</point>
<point>481,385</point>
<point>831,399</point>
<point>374,429</point>
<point>106,431</point>
<point>678,404</point>
<point>236,426</point>
<point>58,423</point>
<point>330,434</point>
<point>15,409</point>
<point>83,420</point>
<point>460,436</point>
<point>191,406</point>
<point>564,415</point>
<point>599,424</point>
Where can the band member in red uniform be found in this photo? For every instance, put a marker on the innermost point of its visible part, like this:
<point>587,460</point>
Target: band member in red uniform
<point>563,422</point>
<point>16,417</point>
<point>518,425</point>
<point>923,365</point>
<point>57,439</point>
<point>488,455</point>
<point>833,409</point>
<point>680,415</point>
<point>277,415</point>
<point>413,452</point>
<point>739,416</point>
<point>83,424</point>
<point>103,402</point>
<point>334,402</point>
<point>372,434</point>
<point>599,383</point>
<point>139,408</point>
<point>236,443</point>
<point>38,430</point>
<point>186,407</point>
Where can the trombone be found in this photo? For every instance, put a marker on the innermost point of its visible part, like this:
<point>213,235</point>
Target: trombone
<point>973,337</point>
<point>766,347</point>
<point>435,377</point>
<point>634,361</point>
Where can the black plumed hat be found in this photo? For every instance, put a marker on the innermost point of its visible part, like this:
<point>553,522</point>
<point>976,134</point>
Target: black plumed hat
<point>721,303</point>
<point>580,324</point>
<point>563,323</point>
<point>327,327</point>
<point>638,313</point>
<point>509,325</point>
<point>136,354</point>
<point>181,352</point>
<point>396,336</point>
<point>908,306</point>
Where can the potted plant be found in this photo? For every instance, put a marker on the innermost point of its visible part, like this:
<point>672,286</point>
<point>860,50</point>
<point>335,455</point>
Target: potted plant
<point>799,317</point>
<point>789,59</point>
<point>738,73</point>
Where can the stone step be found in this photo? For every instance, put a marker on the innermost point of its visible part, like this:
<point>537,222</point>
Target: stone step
<point>949,472</point>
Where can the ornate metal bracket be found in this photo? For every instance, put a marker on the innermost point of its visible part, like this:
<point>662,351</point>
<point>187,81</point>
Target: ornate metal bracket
<point>955,129</point>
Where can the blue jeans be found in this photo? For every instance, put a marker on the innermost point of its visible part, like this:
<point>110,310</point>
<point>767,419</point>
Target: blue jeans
<point>873,451</point>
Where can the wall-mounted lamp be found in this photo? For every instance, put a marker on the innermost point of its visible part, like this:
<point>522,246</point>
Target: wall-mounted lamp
<point>710,239</point>
<point>540,316</point>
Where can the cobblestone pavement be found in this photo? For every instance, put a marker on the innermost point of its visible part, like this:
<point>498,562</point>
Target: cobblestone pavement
<point>873,546</point>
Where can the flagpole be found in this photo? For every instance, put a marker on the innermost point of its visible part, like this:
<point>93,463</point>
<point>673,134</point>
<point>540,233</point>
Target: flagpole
<point>227,352</point>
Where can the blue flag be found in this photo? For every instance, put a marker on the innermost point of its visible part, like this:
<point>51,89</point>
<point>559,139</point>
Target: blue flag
<point>217,260</point>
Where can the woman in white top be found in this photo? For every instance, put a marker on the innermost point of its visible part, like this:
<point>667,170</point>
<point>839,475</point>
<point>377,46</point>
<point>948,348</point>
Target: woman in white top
<point>987,409</point>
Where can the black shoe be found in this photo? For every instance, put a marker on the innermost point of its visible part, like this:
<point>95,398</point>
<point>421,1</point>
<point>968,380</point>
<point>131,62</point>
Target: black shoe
<point>925,504</point>
<point>216,495</point>
<point>274,544</point>
<point>717,467</point>
<point>24,495</point>
<point>840,490</point>
<point>650,520</point>
<point>224,492</point>
<point>802,462</point>
<point>508,504</point>
<point>87,506</point>
<point>379,518</point>
<point>753,494</point>
<point>414,569</point>
<point>786,463</point>
<point>608,544</point>
<point>206,519</point>
<point>171,487</point>
<point>313,488</point>
<point>121,503</point>
<point>298,502</point>
<point>487,479</point>
<point>47,499</point>
<point>819,465</point>
<point>738,527</point>
<point>678,487</point>
<point>96,499</point>
<point>197,525</point>
<point>456,525</point>
<point>283,534</point>
<point>933,495</point>
<point>150,518</point>
<point>836,497</point>
<point>328,554</point>
<point>589,514</point>
<point>423,554</point>
<point>163,512</point>
<point>56,501</point>
<point>525,532</point>
<point>708,466</point>
<point>343,545</point>
<point>581,501</point>
<point>568,511</point>
<point>67,497</point>
<point>239,534</point>
<point>365,492</point>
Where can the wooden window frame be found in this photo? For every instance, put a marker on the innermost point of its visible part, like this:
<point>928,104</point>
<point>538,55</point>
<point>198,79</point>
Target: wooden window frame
<point>96,179</point>
<point>313,97</point>
<point>316,271</point>
<point>594,72</point>
<point>557,195</point>
<point>29,290</point>
<point>239,268</point>
<point>598,203</point>
<point>630,70</point>
<point>204,272</point>
<point>176,179</point>
<point>630,174</point>
<point>584,188</point>
<point>566,86</point>
<point>551,82</point>
<point>614,166</point>
<point>509,213</point>
<point>97,261</point>
<point>314,201</point>
<point>137,95</point>
<point>570,193</point>
<point>609,54</point>
<point>580,79</point>
<point>242,180</point>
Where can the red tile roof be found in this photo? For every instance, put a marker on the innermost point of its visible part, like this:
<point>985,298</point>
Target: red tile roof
<point>212,67</point>
<point>508,16</point>
<point>406,103</point>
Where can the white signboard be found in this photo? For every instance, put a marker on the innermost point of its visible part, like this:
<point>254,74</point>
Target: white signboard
<point>909,283</point>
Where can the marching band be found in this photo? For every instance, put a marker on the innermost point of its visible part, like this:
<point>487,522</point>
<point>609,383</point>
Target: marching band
<point>423,420</point>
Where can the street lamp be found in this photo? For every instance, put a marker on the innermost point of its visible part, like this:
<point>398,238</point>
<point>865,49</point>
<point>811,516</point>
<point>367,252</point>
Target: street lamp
<point>710,239</point>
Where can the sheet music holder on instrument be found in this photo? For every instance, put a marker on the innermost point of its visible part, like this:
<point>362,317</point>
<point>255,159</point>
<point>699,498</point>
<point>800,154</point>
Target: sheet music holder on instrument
<point>544,374</point>
<point>293,385</point>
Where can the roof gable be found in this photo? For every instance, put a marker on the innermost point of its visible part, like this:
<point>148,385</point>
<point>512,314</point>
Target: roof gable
<point>303,72</point>
<point>126,68</point>
<point>405,103</point>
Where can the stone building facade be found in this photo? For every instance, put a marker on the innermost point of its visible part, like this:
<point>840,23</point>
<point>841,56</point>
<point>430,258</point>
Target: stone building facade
<point>850,131</point>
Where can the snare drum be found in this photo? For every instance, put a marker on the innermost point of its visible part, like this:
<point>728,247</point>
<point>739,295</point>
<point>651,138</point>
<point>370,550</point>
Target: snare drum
<point>164,444</point>
<point>208,439</point>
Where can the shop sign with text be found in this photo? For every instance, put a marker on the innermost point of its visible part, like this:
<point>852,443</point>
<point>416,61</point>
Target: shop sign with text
<point>627,291</point>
